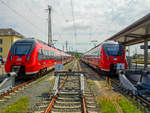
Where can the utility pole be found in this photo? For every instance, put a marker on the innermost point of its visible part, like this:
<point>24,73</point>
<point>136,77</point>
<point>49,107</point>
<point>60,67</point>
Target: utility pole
<point>69,48</point>
<point>63,47</point>
<point>49,27</point>
<point>94,42</point>
<point>66,46</point>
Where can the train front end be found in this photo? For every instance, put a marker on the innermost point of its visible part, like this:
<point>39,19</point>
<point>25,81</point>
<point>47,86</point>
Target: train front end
<point>113,57</point>
<point>20,56</point>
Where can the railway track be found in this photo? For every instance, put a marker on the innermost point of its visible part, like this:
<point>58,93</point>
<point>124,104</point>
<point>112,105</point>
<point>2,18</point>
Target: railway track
<point>71,93</point>
<point>21,85</point>
<point>117,87</point>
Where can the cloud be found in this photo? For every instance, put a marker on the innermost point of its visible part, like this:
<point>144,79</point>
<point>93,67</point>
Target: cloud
<point>77,26</point>
<point>94,20</point>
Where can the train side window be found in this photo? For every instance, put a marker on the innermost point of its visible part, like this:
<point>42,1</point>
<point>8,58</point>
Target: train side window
<point>40,54</point>
<point>49,55</point>
<point>53,55</point>
<point>99,52</point>
<point>56,57</point>
<point>44,54</point>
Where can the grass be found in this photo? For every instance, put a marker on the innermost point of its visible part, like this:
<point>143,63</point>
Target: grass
<point>91,83</point>
<point>140,61</point>
<point>139,105</point>
<point>111,102</point>
<point>127,106</point>
<point>67,66</point>
<point>19,106</point>
<point>107,105</point>
<point>53,80</point>
<point>40,79</point>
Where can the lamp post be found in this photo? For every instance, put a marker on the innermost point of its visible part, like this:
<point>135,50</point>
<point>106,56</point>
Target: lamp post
<point>94,42</point>
<point>54,42</point>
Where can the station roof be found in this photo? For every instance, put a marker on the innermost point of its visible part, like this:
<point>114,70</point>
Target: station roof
<point>10,32</point>
<point>134,33</point>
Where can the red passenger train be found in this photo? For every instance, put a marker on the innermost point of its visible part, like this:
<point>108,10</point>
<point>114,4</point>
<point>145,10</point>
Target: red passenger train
<point>30,56</point>
<point>108,56</point>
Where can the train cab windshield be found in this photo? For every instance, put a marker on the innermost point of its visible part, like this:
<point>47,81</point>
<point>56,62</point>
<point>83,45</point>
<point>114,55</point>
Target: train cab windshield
<point>113,49</point>
<point>22,49</point>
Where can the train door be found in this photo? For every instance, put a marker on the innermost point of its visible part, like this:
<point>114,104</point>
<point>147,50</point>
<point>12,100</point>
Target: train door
<point>52,58</point>
<point>95,57</point>
<point>40,58</point>
<point>99,56</point>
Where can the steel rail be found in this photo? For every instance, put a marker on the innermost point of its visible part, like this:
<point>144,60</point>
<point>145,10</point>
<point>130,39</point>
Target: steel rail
<point>21,85</point>
<point>129,92</point>
<point>84,105</point>
<point>26,83</point>
<point>15,88</point>
<point>138,97</point>
<point>49,108</point>
<point>84,110</point>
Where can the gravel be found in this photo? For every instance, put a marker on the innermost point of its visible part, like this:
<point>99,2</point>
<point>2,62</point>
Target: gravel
<point>34,91</point>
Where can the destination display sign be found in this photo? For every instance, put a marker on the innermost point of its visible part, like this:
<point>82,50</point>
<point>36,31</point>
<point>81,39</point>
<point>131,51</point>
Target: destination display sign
<point>142,47</point>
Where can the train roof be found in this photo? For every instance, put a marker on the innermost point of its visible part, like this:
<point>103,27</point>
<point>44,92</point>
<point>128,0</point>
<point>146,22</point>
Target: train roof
<point>25,40</point>
<point>106,42</point>
<point>33,40</point>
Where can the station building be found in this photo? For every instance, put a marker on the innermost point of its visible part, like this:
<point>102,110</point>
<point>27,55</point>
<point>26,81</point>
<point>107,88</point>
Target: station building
<point>7,37</point>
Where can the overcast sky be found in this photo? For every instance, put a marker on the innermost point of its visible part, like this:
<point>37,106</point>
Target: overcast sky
<point>94,19</point>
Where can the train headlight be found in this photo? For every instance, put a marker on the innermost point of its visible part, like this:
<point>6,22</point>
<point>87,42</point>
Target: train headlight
<point>28,57</point>
<point>121,57</point>
<point>11,58</point>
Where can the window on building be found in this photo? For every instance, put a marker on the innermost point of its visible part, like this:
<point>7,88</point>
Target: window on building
<point>1,41</point>
<point>9,32</point>
<point>1,50</point>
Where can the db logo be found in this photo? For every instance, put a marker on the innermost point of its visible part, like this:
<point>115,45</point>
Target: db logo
<point>19,59</point>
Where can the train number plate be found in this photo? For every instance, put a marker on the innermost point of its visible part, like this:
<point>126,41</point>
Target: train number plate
<point>120,66</point>
<point>115,59</point>
<point>19,59</point>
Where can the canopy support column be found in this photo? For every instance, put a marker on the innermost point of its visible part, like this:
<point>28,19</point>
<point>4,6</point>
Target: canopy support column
<point>145,53</point>
<point>147,30</point>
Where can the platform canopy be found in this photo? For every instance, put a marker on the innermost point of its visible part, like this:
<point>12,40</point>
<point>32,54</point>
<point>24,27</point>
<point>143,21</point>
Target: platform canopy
<point>134,33</point>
